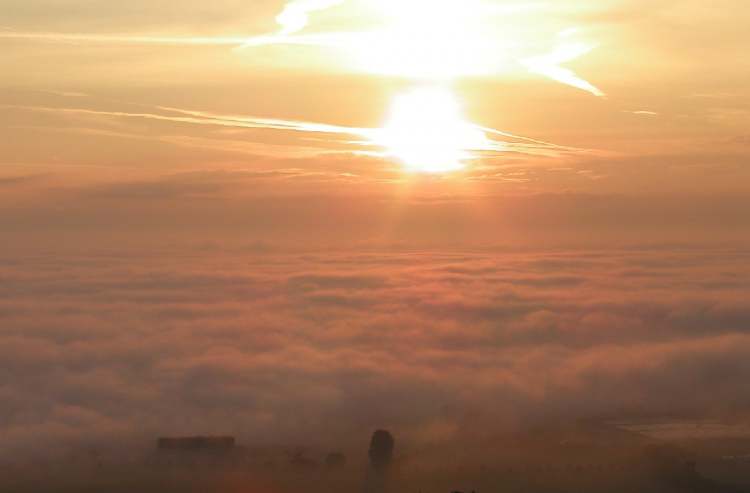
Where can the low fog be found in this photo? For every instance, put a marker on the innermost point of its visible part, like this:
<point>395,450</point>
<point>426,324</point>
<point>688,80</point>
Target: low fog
<point>488,367</point>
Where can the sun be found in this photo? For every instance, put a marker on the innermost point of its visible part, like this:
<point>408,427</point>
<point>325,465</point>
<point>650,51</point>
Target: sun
<point>427,132</point>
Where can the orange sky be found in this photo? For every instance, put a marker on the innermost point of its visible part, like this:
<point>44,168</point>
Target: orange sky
<point>259,218</point>
<point>393,100</point>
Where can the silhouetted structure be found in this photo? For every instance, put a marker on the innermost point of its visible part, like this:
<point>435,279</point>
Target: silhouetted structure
<point>197,451</point>
<point>381,450</point>
<point>672,469</point>
<point>196,443</point>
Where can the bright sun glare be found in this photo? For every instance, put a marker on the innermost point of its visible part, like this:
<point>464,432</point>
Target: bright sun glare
<point>435,43</point>
<point>426,39</point>
<point>427,132</point>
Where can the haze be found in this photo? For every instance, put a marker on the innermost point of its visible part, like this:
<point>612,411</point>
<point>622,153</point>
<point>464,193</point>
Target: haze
<point>299,222</point>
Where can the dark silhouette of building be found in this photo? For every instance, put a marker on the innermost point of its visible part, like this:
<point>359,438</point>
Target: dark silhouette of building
<point>674,470</point>
<point>381,450</point>
<point>196,443</point>
<point>197,451</point>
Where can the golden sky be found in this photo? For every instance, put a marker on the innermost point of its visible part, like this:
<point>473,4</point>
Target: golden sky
<point>477,98</point>
<point>266,217</point>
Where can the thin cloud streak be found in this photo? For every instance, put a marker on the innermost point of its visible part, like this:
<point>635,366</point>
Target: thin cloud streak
<point>550,65</point>
<point>296,14</point>
<point>351,136</point>
<point>295,17</point>
<point>643,112</point>
<point>123,39</point>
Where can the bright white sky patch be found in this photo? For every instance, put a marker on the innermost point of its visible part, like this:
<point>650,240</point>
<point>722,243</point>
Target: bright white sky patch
<point>296,14</point>
<point>425,130</point>
<point>551,65</point>
<point>428,133</point>
<point>440,40</point>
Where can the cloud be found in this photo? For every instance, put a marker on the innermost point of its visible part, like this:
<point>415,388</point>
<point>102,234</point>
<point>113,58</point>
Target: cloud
<point>15,181</point>
<point>550,65</point>
<point>296,13</point>
<point>406,48</point>
<point>122,39</point>
<point>138,16</point>
<point>336,201</point>
<point>265,343</point>
<point>333,138</point>
<point>643,112</point>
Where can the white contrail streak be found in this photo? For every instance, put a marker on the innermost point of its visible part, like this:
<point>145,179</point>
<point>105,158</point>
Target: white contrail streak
<point>123,39</point>
<point>550,65</point>
<point>360,136</point>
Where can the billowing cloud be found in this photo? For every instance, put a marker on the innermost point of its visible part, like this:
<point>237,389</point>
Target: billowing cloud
<point>263,343</point>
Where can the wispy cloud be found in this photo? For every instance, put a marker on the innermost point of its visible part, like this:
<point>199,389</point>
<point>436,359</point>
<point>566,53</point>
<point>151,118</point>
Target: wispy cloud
<point>295,17</point>
<point>642,112</point>
<point>401,34</point>
<point>333,138</point>
<point>122,39</point>
<point>296,14</point>
<point>551,65</point>
<point>67,94</point>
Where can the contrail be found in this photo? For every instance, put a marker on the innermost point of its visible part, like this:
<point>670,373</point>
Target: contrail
<point>361,136</point>
<point>296,16</point>
<point>550,65</point>
<point>202,118</point>
<point>123,39</point>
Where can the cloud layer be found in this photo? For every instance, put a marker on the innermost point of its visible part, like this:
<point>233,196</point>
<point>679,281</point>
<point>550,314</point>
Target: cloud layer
<point>314,347</point>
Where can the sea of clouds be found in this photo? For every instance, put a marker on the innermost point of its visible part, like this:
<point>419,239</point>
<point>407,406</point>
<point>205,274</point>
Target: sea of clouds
<point>316,347</point>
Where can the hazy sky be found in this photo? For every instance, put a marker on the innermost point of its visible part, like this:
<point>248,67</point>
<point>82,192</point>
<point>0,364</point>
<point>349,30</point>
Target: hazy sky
<point>195,198</point>
<point>627,96</point>
<point>644,106</point>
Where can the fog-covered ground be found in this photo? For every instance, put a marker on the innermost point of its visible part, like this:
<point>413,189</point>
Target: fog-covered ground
<point>105,351</point>
<point>580,458</point>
